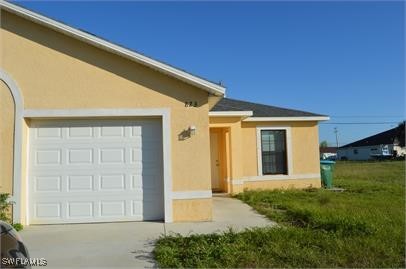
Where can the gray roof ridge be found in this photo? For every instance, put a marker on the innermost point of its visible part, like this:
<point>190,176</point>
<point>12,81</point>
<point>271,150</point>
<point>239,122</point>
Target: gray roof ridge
<point>264,106</point>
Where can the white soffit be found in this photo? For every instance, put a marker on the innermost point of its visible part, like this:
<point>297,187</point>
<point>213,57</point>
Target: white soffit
<point>316,118</point>
<point>230,113</point>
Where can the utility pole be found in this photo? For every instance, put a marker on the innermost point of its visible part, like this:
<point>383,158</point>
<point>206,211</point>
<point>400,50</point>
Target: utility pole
<point>336,132</point>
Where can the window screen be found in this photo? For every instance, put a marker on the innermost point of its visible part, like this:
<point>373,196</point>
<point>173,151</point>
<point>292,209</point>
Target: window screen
<point>273,150</point>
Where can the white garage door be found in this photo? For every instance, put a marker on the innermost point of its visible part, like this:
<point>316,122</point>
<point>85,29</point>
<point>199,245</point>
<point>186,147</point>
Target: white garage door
<point>95,171</point>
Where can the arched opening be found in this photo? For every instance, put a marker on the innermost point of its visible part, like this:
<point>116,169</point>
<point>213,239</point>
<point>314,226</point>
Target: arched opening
<point>11,120</point>
<point>7,118</point>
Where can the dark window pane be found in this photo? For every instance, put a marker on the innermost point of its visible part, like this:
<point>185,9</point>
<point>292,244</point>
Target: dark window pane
<point>273,149</point>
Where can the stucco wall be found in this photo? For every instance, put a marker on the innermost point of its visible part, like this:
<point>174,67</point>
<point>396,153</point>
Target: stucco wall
<point>6,138</point>
<point>54,71</point>
<point>244,159</point>
<point>305,146</point>
<point>192,210</point>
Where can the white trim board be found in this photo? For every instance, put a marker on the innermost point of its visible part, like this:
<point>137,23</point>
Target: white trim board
<point>184,195</point>
<point>288,147</point>
<point>18,142</point>
<point>237,182</point>
<point>109,112</point>
<point>27,166</point>
<point>280,177</point>
<point>321,118</point>
<point>167,156</point>
<point>230,113</point>
<point>274,178</point>
<point>105,45</point>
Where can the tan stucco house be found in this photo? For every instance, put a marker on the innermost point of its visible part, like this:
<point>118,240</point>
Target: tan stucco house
<point>93,132</point>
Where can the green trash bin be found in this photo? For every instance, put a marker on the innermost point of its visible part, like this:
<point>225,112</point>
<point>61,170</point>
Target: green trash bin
<point>327,168</point>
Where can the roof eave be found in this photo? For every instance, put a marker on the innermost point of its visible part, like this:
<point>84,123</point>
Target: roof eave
<point>307,118</point>
<point>103,44</point>
<point>244,114</point>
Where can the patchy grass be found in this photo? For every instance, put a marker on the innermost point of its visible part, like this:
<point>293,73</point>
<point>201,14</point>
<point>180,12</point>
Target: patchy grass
<point>360,227</point>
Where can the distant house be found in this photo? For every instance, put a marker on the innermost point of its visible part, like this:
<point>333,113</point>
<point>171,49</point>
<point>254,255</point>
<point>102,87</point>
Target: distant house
<point>328,153</point>
<point>383,145</point>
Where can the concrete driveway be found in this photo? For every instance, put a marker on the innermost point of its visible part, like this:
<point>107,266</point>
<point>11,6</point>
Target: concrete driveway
<point>126,244</point>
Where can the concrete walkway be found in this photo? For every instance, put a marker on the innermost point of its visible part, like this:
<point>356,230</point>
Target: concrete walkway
<point>126,244</point>
<point>227,213</point>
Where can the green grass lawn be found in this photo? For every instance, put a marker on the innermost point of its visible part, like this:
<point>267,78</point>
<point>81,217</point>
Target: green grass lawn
<point>364,226</point>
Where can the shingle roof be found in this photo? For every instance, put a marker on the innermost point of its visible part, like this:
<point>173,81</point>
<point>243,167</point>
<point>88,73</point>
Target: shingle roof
<point>259,110</point>
<point>384,138</point>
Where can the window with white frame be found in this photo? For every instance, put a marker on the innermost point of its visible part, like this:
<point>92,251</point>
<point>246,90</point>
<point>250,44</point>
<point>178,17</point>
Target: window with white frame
<point>274,152</point>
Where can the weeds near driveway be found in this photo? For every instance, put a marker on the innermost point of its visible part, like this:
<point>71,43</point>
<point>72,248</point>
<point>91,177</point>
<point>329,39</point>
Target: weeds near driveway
<point>364,226</point>
<point>5,211</point>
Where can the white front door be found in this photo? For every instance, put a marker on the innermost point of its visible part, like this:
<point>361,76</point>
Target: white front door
<point>215,160</point>
<point>95,171</point>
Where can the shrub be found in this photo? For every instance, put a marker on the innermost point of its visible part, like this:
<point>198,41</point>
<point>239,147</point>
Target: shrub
<point>5,211</point>
<point>18,226</point>
<point>4,207</point>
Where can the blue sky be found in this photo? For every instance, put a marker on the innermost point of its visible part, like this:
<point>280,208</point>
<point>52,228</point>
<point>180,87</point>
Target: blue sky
<point>343,59</point>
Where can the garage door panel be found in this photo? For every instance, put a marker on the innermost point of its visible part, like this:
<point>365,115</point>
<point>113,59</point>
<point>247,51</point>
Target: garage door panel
<point>74,207</point>
<point>50,132</point>
<point>80,183</point>
<point>112,208</point>
<point>112,156</point>
<point>112,182</point>
<point>80,132</point>
<point>93,183</point>
<point>80,156</point>
<point>95,170</point>
<point>47,210</point>
<point>79,170</point>
<point>80,210</point>
<point>98,157</point>
<point>48,156</point>
<point>77,211</point>
<point>47,183</point>
<point>112,131</point>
